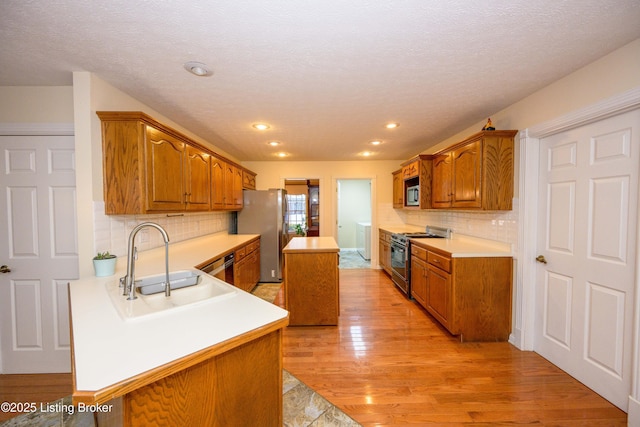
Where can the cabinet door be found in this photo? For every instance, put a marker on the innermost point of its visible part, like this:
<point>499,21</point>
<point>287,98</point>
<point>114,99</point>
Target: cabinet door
<point>419,281</point>
<point>438,296</point>
<point>218,170</point>
<point>467,168</point>
<point>441,181</point>
<point>164,171</point>
<point>197,180</point>
<point>398,190</point>
<point>237,188</point>
<point>229,189</point>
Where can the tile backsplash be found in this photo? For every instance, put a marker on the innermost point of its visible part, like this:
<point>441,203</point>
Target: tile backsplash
<point>494,225</point>
<point>111,232</point>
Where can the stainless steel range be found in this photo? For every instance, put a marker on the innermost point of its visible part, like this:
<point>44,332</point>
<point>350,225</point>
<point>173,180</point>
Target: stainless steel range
<point>400,251</point>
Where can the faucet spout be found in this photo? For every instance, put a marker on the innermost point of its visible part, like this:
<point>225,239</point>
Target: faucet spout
<point>129,280</point>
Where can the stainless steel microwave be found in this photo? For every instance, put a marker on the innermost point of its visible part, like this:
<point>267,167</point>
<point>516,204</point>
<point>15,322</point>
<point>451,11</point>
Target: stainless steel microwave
<point>413,196</point>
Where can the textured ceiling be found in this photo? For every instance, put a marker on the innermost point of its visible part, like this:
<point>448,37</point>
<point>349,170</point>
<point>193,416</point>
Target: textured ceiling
<point>326,75</point>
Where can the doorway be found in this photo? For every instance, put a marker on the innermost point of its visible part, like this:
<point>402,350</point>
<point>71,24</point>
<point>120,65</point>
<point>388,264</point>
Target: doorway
<point>354,215</point>
<point>39,250</point>
<point>303,206</point>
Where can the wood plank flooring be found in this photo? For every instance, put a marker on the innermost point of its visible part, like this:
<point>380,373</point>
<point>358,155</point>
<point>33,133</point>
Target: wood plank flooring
<point>33,388</point>
<point>389,363</point>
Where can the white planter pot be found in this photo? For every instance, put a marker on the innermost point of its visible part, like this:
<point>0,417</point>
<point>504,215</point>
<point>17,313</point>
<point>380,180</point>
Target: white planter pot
<point>105,267</point>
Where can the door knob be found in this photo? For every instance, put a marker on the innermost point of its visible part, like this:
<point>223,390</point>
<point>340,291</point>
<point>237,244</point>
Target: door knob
<point>4,269</point>
<point>540,258</point>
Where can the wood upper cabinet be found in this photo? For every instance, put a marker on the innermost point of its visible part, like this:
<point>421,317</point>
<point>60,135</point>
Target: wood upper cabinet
<point>197,180</point>
<point>415,172</point>
<point>476,173</point>
<point>232,187</point>
<point>467,182</point>
<point>398,189</point>
<point>164,153</point>
<point>441,182</point>
<point>218,170</point>
<point>248,180</point>
<point>149,167</point>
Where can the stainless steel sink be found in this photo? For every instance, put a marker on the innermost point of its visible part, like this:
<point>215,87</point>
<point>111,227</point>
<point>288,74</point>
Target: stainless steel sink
<point>191,288</point>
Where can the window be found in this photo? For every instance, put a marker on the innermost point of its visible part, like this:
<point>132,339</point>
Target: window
<point>296,211</point>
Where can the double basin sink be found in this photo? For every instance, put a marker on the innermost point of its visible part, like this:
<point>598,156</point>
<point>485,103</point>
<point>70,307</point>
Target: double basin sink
<point>188,288</point>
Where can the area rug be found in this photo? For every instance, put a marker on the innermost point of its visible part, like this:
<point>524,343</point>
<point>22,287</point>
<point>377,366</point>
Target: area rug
<point>267,291</point>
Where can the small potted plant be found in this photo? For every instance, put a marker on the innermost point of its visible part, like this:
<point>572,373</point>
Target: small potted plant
<point>300,231</point>
<point>104,264</point>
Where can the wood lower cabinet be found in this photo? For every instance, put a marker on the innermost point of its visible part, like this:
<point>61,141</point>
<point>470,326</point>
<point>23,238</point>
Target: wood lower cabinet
<point>470,297</point>
<point>246,274</point>
<point>312,281</point>
<point>238,387</point>
<point>384,250</point>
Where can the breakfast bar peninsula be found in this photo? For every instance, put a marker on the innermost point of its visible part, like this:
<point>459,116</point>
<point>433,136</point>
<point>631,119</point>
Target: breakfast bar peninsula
<point>213,358</point>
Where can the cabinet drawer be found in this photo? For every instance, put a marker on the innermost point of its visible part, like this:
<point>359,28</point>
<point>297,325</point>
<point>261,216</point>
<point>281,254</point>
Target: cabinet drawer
<point>253,246</point>
<point>439,261</point>
<point>240,253</point>
<point>419,252</point>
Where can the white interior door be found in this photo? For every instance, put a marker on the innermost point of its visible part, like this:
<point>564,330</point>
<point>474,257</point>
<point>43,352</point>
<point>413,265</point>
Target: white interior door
<point>38,243</point>
<point>587,234</point>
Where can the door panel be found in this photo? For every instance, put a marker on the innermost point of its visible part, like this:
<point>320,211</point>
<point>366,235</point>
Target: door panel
<point>38,242</point>
<point>588,214</point>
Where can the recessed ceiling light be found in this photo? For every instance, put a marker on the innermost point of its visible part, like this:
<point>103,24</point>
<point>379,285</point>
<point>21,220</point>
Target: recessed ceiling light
<point>376,142</point>
<point>198,68</point>
<point>260,126</point>
<point>366,153</point>
<point>391,125</point>
<point>282,154</point>
<point>273,143</point>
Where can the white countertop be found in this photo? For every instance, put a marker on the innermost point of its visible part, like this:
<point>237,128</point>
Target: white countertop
<point>311,244</point>
<point>461,246</point>
<point>108,349</point>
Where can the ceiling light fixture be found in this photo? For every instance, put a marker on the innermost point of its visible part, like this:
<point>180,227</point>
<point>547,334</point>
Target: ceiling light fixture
<point>260,126</point>
<point>376,142</point>
<point>391,125</point>
<point>282,154</point>
<point>273,143</point>
<point>367,153</point>
<point>198,68</point>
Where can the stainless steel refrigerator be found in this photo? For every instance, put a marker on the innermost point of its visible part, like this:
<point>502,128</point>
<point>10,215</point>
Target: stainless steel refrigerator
<point>265,212</point>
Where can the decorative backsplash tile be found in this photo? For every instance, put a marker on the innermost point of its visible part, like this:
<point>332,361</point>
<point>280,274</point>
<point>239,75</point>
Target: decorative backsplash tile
<point>494,225</point>
<point>111,232</point>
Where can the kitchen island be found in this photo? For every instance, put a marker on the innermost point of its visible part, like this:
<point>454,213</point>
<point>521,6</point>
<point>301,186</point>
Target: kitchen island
<point>216,362</point>
<point>311,281</point>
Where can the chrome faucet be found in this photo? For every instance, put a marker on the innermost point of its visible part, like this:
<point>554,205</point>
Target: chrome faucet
<point>128,282</point>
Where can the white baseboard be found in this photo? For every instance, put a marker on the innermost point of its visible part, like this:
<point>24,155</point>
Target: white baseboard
<point>633,415</point>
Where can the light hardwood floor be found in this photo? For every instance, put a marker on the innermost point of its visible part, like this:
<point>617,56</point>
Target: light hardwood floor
<point>389,363</point>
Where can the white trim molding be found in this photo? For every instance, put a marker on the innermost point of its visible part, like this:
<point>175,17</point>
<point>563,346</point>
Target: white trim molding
<point>527,234</point>
<point>20,129</point>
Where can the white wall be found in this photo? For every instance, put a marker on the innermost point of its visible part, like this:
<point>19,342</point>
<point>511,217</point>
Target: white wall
<point>354,206</point>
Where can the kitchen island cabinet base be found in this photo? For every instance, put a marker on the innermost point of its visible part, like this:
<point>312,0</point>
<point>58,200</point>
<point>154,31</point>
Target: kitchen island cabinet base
<point>240,386</point>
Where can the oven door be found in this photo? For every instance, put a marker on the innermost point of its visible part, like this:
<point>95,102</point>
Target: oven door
<point>399,266</point>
